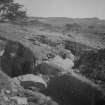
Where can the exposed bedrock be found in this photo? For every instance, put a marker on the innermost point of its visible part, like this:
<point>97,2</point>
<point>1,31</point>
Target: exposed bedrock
<point>73,89</point>
<point>17,59</point>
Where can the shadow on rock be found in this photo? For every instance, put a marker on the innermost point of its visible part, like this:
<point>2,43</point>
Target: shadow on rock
<point>73,89</point>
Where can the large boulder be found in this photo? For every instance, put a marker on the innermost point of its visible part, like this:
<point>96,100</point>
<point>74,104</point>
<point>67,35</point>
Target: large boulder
<point>17,59</point>
<point>73,89</point>
<point>65,64</point>
<point>47,69</point>
<point>30,81</point>
<point>55,66</point>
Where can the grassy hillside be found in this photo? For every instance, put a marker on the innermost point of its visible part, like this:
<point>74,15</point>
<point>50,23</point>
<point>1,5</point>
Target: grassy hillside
<point>41,34</point>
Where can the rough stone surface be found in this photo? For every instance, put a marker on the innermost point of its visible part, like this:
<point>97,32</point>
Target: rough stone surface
<point>17,59</point>
<point>31,81</point>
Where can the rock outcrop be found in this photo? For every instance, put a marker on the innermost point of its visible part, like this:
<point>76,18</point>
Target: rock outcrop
<point>65,63</point>
<point>17,59</point>
<point>47,69</point>
<point>30,81</point>
<point>55,66</point>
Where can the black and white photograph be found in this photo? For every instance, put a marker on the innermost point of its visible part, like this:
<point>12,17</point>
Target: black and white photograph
<point>52,52</point>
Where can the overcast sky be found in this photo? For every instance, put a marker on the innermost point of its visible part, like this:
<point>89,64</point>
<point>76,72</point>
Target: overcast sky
<point>65,8</point>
